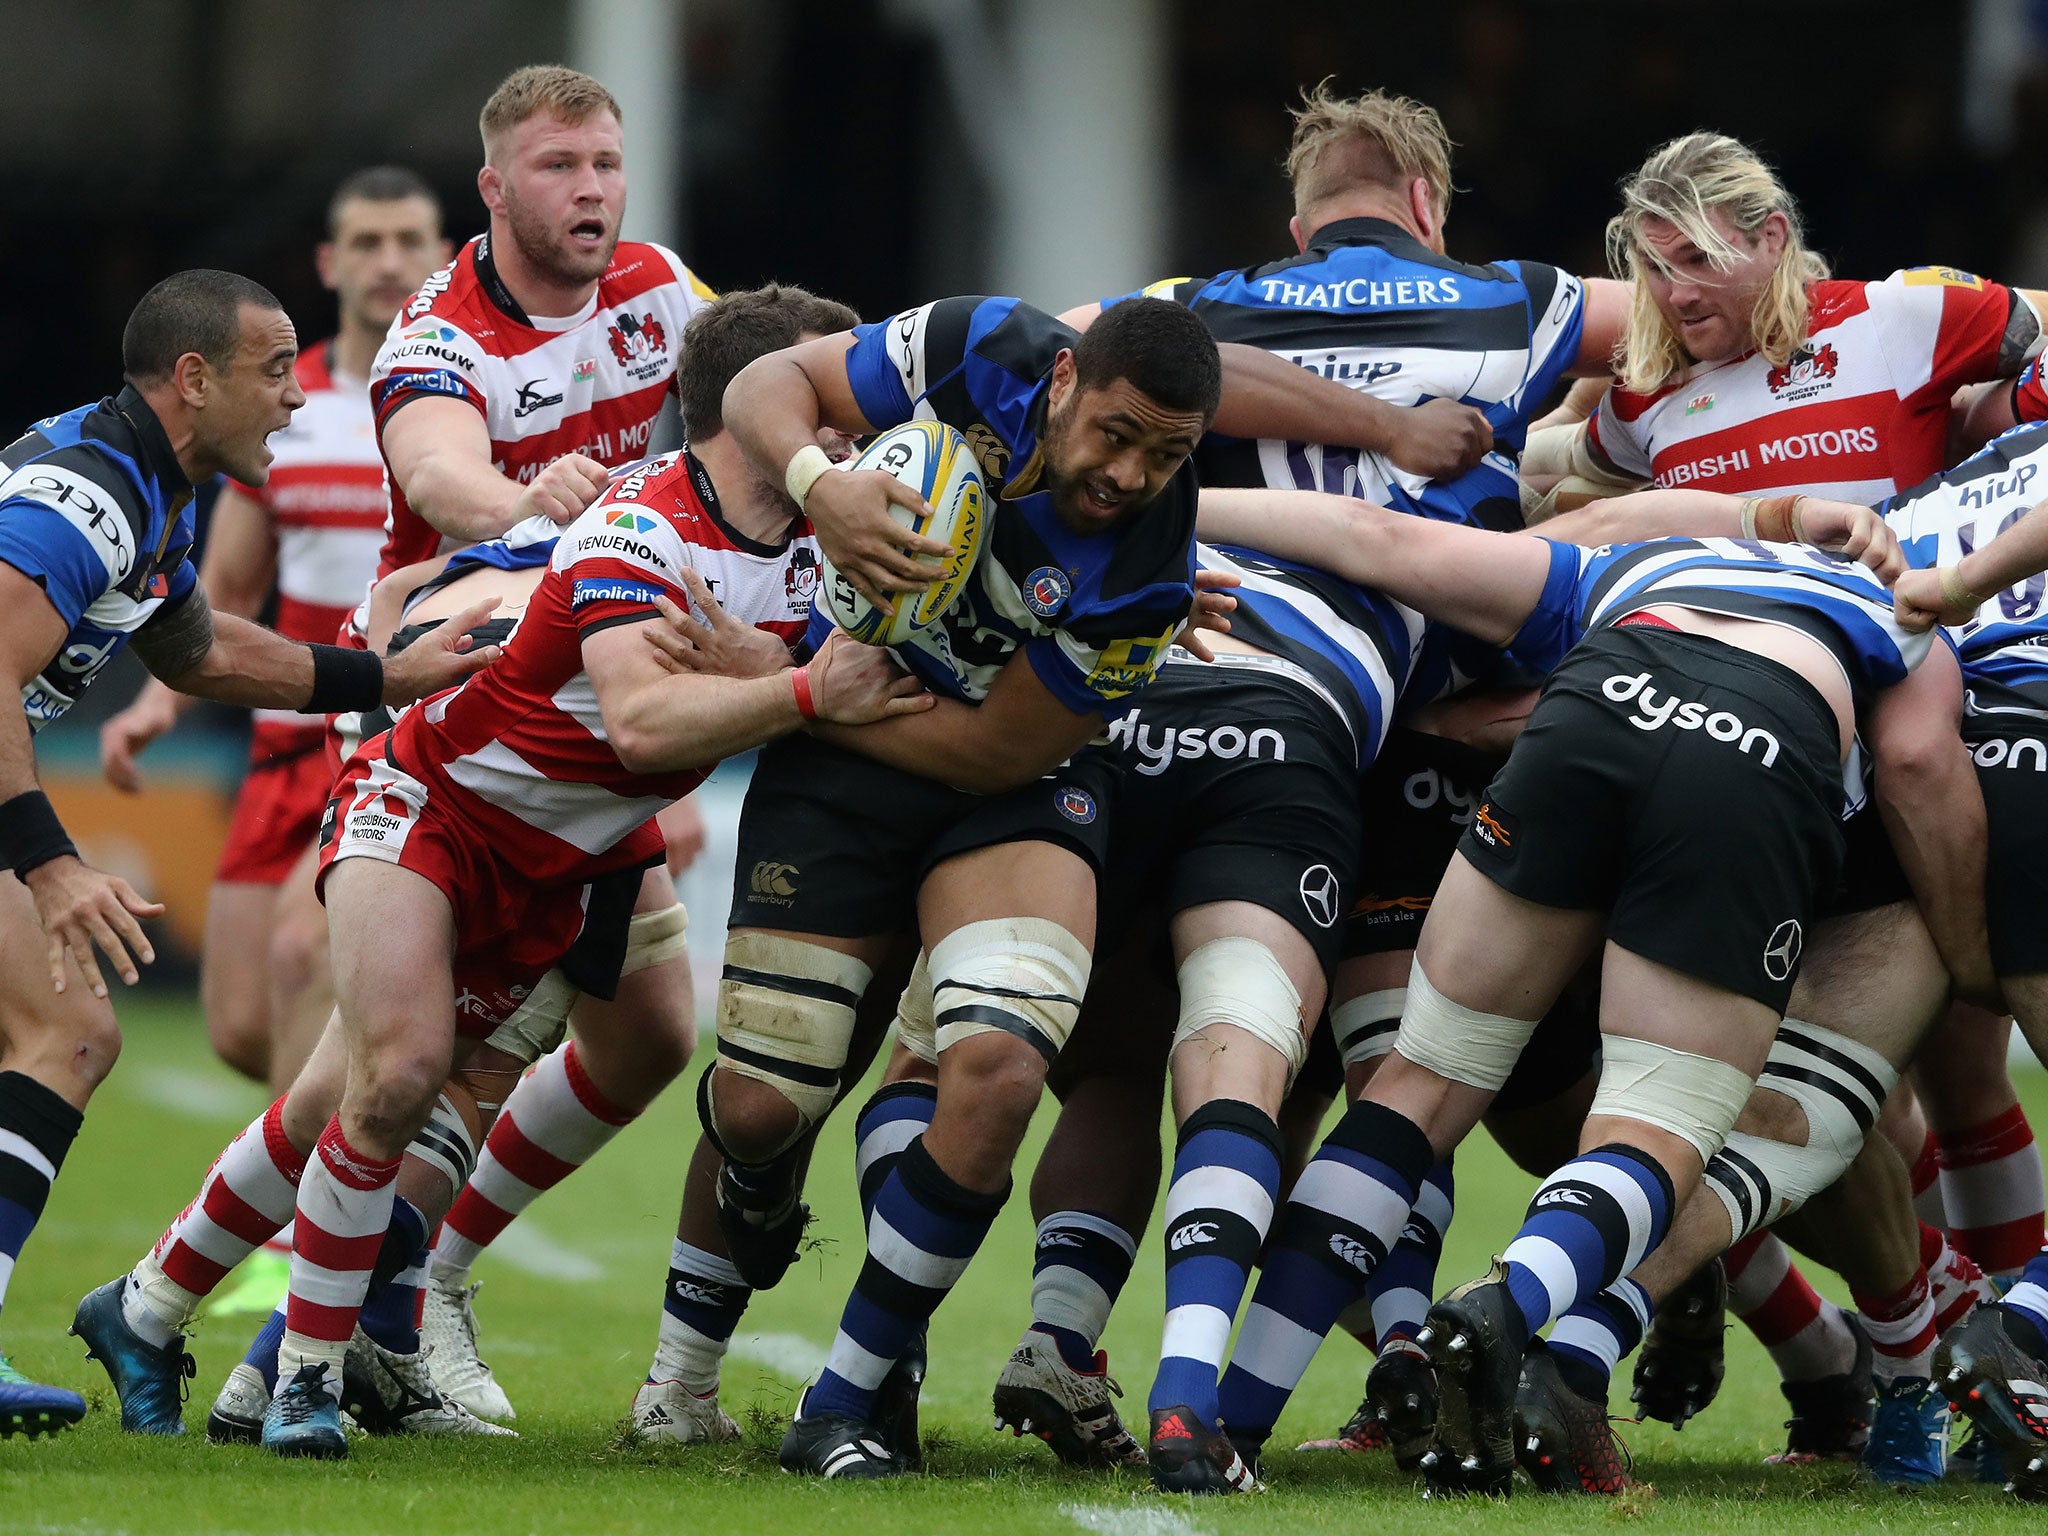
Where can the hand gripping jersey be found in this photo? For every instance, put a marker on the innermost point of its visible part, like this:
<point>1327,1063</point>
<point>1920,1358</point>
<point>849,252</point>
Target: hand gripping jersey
<point>522,744</point>
<point>1356,647</point>
<point>327,503</point>
<point>1859,412</point>
<point>1825,597</point>
<point>591,382</point>
<point>95,510</point>
<point>2004,648</point>
<point>1372,307</point>
<point>1093,615</point>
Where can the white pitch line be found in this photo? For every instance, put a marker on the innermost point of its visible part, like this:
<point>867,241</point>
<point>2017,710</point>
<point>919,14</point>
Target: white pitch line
<point>786,1354</point>
<point>531,1251</point>
<point>1129,1520</point>
<point>194,1095</point>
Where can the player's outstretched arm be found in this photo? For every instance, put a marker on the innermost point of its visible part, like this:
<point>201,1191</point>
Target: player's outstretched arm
<point>1845,527</point>
<point>1019,732</point>
<point>1928,795</point>
<point>1952,594</point>
<point>1485,583</point>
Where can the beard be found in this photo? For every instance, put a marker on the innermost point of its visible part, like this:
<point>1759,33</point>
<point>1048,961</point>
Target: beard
<point>544,249</point>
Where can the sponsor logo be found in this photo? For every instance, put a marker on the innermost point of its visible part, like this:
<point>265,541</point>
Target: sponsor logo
<point>633,522</point>
<point>711,1295</point>
<point>531,399</point>
<point>1422,1237</point>
<point>520,991</point>
<point>2024,752</point>
<point>800,578</point>
<point>426,349</point>
<point>619,541</point>
<point>1059,1239</point>
<point>85,506</point>
<point>639,343</point>
<point>1941,277</point>
<point>1193,1233</point>
<point>1318,888</point>
<point>1188,742</point>
<point>1046,589</point>
<point>1781,950</point>
<point>1360,293</point>
<point>1490,829</point>
<point>584,371</point>
<point>429,381</point>
<point>1996,490</point>
<point>1807,372</point>
<point>1563,1194</point>
<point>1700,403</point>
<point>772,882</point>
<point>337,1158</point>
<point>432,330</point>
<point>588,590</point>
<point>430,290</point>
<point>1653,711</point>
<point>1423,790</point>
<point>1352,1252</point>
<point>1077,805</point>
<point>1125,666</point>
<point>990,451</point>
<point>1349,373</point>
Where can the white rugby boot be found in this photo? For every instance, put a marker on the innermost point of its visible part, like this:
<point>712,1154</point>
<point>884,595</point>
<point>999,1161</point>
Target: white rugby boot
<point>669,1413</point>
<point>392,1394</point>
<point>237,1415</point>
<point>1040,1394</point>
<point>448,1330</point>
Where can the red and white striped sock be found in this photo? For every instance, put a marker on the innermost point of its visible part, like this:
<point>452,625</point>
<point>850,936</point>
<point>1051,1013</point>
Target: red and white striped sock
<point>555,1121</point>
<point>1958,1284</point>
<point>1926,1174</point>
<point>1991,1187</point>
<point>1808,1337</point>
<point>247,1195</point>
<point>344,1207</point>
<point>1901,1328</point>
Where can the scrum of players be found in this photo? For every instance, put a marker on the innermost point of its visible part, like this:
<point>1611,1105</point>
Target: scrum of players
<point>1654,781</point>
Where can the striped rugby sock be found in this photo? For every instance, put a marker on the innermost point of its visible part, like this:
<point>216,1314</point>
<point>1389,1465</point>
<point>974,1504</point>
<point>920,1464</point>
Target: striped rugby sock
<point>1079,1263</point>
<point>37,1126</point>
<point>1597,1334</point>
<point>1590,1223</point>
<point>1401,1288</point>
<point>345,1202</point>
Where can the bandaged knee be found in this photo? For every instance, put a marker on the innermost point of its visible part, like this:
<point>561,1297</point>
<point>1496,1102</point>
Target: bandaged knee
<point>447,1143</point>
<point>1456,1042</point>
<point>655,938</point>
<point>1694,1098</point>
<point>1365,1026</point>
<point>1240,982</point>
<point>1840,1086</point>
<point>1019,976</point>
<point>538,1024</point>
<point>916,1030</point>
<point>785,1018</point>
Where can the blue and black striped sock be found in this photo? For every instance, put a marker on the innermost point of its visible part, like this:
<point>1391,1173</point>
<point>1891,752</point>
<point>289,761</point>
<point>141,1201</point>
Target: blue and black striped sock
<point>1590,1223</point>
<point>36,1130</point>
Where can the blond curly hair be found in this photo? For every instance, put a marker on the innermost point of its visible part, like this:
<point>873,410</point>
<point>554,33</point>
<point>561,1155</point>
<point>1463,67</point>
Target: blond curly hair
<point>1376,139</point>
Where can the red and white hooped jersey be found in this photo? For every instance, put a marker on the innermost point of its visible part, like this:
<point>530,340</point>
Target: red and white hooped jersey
<point>591,382</point>
<point>522,744</point>
<point>327,504</point>
<point>1858,413</point>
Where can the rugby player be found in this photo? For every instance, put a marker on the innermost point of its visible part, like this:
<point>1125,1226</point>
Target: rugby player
<point>447,870</point>
<point>1748,369</point>
<point>520,373</point>
<point>1688,1008</point>
<point>95,535</point>
<point>311,535</point>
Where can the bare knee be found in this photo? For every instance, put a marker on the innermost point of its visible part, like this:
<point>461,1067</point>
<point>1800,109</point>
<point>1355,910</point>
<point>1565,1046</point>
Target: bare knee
<point>391,1093</point>
<point>749,1120</point>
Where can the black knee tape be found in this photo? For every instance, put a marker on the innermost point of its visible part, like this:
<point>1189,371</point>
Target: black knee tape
<point>1233,1115</point>
<point>933,1187</point>
<point>1643,1160</point>
<point>1386,1134</point>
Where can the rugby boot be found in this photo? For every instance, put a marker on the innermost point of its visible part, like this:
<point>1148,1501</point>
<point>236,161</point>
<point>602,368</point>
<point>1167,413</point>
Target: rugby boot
<point>1908,1434</point>
<point>448,1334</point>
<point>1363,1431</point>
<point>1564,1439</point>
<point>1187,1456</point>
<point>30,1408</point>
<point>387,1393</point>
<point>1401,1391</point>
<point>761,1251</point>
<point>150,1382</point>
<point>669,1413</point>
<point>836,1445</point>
<point>1474,1339</point>
<point>1679,1371</point>
<point>1040,1394</point>
<point>896,1405</point>
<point>1831,1416</point>
<point>2003,1389</point>
<point>303,1419</point>
<point>236,1417</point>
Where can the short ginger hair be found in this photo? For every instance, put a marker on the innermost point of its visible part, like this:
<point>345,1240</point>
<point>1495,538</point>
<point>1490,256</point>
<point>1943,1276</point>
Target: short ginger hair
<point>555,89</point>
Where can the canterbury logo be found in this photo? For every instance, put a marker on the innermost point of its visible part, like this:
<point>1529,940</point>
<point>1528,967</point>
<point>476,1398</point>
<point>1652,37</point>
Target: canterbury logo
<point>701,1295</point>
<point>771,879</point>
<point>1061,1240</point>
<point>1563,1195</point>
<point>1488,826</point>
<point>1352,1252</point>
<point>1191,1234</point>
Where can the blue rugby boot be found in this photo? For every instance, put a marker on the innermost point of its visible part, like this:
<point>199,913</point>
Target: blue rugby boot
<point>1909,1433</point>
<point>149,1381</point>
<point>30,1408</point>
<point>305,1418</point>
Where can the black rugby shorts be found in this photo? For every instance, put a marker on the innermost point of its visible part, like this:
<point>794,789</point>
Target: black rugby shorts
<point>2012,769</point>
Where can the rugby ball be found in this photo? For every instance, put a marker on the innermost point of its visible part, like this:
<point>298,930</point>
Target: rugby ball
<point>934,460</point>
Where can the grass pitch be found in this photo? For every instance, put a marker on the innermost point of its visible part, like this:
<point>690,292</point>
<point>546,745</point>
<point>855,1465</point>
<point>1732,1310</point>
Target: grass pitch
<point>568,1312</point>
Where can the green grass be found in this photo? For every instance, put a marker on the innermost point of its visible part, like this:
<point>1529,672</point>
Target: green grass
<point>571,1353</point>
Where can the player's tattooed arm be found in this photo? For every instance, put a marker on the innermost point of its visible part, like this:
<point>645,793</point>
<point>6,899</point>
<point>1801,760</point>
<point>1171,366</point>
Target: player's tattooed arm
<point>177,637</point>
<point>2022,338</point>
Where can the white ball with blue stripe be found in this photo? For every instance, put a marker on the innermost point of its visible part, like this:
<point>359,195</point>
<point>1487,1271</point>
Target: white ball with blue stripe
<point>934,460</point>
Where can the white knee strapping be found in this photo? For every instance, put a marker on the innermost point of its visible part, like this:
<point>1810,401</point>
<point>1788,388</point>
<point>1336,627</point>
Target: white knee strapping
<point>1840,1085</point>
<point>785,1018</point>
<point>1238,981</point>
<point>655,938</point>
<point>1695,1098</point>
<point>1022,976</point>
<point>916,1030</point>
<point>1365,1026</point>
<point>444,1143</point>
<point>538,1024</point>
<point>1460,1043</point>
